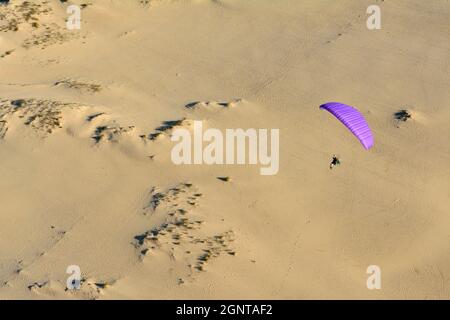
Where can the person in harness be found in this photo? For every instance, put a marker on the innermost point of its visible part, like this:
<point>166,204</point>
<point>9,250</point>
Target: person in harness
<point>334,162</point>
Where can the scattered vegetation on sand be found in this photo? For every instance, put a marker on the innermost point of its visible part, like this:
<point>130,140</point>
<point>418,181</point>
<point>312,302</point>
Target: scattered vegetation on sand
<point>26,12</point>
<point>80,86</point>
<point>402,115</point>
<point>43,116</point>
<point>110,133</point>
<point>212,104</point>
<point>166,127</point>
<point>181,234</point>
<point>32,18</point>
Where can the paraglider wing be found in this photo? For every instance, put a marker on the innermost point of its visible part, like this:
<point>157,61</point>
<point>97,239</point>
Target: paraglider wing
<point>353,120</point>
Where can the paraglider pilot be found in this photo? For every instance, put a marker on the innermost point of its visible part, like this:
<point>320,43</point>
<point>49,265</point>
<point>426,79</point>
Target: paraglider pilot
<point>334,162</point>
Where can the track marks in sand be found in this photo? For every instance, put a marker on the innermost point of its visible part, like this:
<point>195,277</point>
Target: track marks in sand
<point>6,53</point>
<point>3,128</point>
<point>181,233</point>
<point>21,265</point>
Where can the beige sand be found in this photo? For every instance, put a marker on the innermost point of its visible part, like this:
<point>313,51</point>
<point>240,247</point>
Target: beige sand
<point>307,232</point>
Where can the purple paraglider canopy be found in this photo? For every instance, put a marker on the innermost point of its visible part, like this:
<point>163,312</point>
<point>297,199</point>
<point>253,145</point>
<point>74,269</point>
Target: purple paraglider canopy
<point>353,120</point>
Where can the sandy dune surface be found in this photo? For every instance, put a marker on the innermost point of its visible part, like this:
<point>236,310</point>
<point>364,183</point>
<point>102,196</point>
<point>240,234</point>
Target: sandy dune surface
<point>86,118</point>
